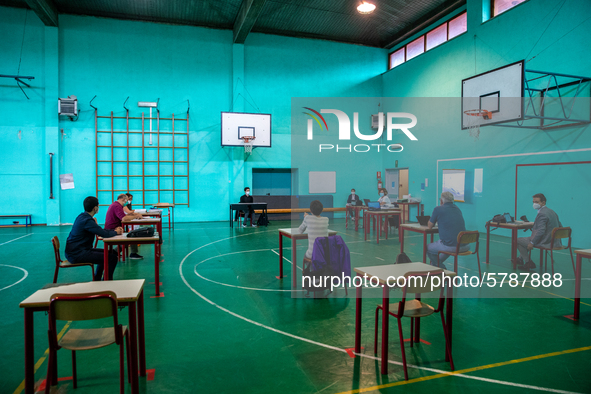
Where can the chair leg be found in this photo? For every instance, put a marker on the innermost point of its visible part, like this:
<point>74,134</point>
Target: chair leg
<point>74,373</point>
<point>541,259</point>
<point>55,274</point>
<point>48,379</point>
<point>552,260</point>
<point>375,342</point>
<point>402,349</point>
<point>412,320</point>
<point>121,369</point>
<point>128,358</point>
<point>456,263</point>
<point>479,272</point>
<point>445,334</point>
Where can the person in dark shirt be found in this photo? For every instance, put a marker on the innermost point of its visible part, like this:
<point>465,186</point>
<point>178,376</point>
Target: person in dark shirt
<point>79,244</point>
<point>450,222</point>
<point>244,199</point>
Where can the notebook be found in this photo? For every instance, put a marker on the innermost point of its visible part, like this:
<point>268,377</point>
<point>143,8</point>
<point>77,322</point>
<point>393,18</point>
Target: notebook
<point>423,220</point>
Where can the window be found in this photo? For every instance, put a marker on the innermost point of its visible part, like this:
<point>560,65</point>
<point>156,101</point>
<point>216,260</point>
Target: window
<point>415,48</point>
<point>500,6</point>
<point>433,38</point>
<point>397,57</point>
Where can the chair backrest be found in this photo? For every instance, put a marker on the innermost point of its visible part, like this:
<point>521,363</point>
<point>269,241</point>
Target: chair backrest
<point>423,282</point>
<point>56,249</point>
<point>468,237</point>
<point>561,232</point>
<point>84,306</point>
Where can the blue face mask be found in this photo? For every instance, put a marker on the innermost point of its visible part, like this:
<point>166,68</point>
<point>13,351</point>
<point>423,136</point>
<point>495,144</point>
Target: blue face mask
<point>381,194</point>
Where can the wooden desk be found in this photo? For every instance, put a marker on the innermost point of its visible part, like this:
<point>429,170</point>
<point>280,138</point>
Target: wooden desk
<point>417,228</point>
<point>395,270</point>
<point>368,215</point>
<point>123,240</point>
<point>129,293</point>
<point>357,209</point>
<point>514,227</point>
<point>406,207</point>
<point>294,234</point>
<point>170,208</point>
<point>581,254</point>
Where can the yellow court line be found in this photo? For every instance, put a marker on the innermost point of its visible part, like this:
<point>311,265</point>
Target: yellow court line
<point>467,370</point>
<point>39,362</point>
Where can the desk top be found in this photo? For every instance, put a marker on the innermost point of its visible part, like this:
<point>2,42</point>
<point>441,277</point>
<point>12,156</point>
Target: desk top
<point>384,211</point>
<point>518,224</point>
<point>156,212</point>
<point>296,232</point>
<point>117,239</point>
<point>164,205</point>
<point>248,203</point>
<point>143,220</point>
<point>584,252</point>
<point>397,270</point>
<point>418,227</point>
<point>126,291</point>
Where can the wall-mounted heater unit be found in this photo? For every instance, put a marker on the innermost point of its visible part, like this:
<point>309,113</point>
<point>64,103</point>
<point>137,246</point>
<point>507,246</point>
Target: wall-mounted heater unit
<point>68,106</point>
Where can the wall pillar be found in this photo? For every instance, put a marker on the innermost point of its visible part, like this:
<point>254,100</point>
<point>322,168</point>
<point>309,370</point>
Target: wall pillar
<point>52,134</point>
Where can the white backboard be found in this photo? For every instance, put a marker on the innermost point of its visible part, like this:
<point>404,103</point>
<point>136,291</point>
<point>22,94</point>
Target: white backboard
<point>239,124</point>
<point>499,91</point>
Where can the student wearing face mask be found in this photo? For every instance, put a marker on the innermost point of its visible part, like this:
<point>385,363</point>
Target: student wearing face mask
<point>546,220</point>
<point>352,200</point>
<point>384,200</point>
<point>245,199</point>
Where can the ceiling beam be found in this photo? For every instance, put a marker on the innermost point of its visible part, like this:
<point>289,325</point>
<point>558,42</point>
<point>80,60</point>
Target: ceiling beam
<point>247,16</point>
<point>45,10</point>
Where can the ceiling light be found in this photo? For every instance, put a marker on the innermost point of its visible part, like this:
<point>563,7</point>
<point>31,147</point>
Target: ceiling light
<point>365,8</point>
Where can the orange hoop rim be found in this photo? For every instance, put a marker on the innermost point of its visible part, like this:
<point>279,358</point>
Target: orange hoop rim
<point>479,112</point>
<point>247,139</point>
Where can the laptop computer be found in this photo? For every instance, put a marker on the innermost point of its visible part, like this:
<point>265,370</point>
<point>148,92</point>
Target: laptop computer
<point>373,206</point>
<point>366,201</point>
<point>423,219</point>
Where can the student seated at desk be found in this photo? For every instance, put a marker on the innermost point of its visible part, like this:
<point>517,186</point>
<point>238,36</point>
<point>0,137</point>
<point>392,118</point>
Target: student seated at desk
<point>79,244</point>
<point>246,198</point>
<point>316,225</point>
<point>115,216</point>
<point>546,220</point>
<point>450,222</point>
<point>384,200</point>
<point>352,200</point>
<point>127,207</point>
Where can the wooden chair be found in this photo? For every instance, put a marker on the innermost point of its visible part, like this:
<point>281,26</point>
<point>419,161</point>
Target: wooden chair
<point>59,263</point>
<point>557,233</point>
<point>78,307</point>
<point>416,309</point>
<point>464,237</point>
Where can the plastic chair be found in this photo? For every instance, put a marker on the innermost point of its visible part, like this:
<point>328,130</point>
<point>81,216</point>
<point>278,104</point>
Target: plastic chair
<point>59,263</point>
<point>464,237</point>
<point>557,233</point>
<point>415,309</point>
<point>78,307</point>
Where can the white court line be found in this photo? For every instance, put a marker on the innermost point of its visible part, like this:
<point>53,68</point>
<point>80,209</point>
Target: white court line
<point>379,258</point>
<point>337,348</point>
<point>15,239</point>
<point>286,259</point>
<point>15,283</point>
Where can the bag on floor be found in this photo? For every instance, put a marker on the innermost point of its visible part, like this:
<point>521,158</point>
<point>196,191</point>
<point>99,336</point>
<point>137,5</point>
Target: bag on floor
<point>141,232</point>
<point>402,258</point>
<point>263,220</point>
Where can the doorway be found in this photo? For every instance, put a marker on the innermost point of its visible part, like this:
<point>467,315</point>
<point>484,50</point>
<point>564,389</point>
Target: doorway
<point>397,182</point>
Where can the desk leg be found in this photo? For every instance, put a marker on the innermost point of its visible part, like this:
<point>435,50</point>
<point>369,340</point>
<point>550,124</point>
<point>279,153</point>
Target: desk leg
<point>578,273</point>
<point>133,341</point>
<point>29,352</point>
<point>449,316</point>
<point>514,248</point>
<point>141,334</point>
<point>356,219</point>
<point>157,266</point>
<point>358,319</point>
<point>231,221</point>
<point>425,251</point>
<point>294,278</point>
<point>365,225</point>
<point>105,261</point>
<point>417,322</point>
<point>487,242</point>
<point>280,256</point>
<point>385,325</point>
<point>401,238</point>
<point>168,218</point>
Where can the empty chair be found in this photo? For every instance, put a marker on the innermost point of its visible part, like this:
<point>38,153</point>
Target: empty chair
<point>59,263</point>
<point>416,309</point>
<point>78,307</point>
<point>557,233</point>
<point>464,237</point>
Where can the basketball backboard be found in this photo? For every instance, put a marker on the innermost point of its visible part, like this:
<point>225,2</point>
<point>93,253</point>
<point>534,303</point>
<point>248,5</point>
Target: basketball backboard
<point>237,125</point>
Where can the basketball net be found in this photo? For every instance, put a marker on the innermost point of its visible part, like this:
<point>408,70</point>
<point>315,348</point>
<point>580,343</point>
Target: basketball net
<point>475,116</point>
<point>248,144</point>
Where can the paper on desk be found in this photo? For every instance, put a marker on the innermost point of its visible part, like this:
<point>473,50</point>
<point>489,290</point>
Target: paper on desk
<point>141,210</point>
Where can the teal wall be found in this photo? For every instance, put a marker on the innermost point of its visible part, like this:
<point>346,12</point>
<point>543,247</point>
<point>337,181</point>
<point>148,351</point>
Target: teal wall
<point>552,36</point>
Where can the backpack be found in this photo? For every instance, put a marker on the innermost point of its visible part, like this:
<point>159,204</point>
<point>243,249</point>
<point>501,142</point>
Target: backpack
<point>402,258</point>
<point>141,232</point>
<point>263,220</point>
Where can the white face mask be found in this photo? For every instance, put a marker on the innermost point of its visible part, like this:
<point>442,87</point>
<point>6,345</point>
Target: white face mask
<point>537,206</point>
<point>247,193</point>
<point>353,193</point>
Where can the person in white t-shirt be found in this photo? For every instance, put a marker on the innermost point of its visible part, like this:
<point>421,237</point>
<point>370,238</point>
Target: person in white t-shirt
<point>315,225</point>
<point>384,200</point>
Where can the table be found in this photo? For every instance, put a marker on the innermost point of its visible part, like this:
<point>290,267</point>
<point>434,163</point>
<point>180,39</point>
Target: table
<point>514,227</point>
<point>368,215</point>
<point>129,293</point>
<point>123,240</point>
<point>406,207</point>
<point>584,253</point>
<point>242,205</point>
<point>294,234</point>
<point>356,208</point>
<point>169,207</point>
<point>396,270</point>
<point>417,228</point>
<point>156,213</point>
<point>28,220</point>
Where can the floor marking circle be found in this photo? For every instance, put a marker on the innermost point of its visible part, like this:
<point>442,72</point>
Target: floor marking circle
<point>21,279</point>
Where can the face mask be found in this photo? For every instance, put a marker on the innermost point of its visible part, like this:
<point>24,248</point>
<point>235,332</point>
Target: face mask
<point>352,193</point>
<point>537,206</point>
<point>381,194</point>
<point>247,193</point>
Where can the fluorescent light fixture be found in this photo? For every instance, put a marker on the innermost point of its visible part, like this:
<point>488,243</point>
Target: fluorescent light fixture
<point>147,104</point>
<point>366,8</point>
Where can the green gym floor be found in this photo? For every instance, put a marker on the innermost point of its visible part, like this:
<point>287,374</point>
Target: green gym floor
<point>227,325</point>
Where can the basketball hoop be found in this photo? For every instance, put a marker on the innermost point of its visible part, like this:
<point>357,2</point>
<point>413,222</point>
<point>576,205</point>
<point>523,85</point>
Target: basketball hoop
<point>473,120</point>
<point>248,144</point>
